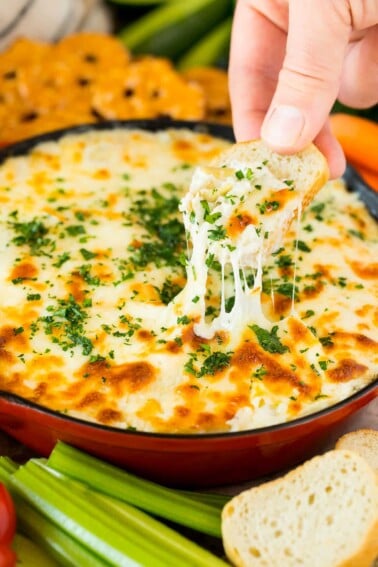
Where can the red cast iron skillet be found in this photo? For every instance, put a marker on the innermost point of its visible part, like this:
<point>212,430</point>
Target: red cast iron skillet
<point>202,460</point>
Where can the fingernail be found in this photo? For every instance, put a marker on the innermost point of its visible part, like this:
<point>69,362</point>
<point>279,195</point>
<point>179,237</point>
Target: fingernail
<point>283,126</point>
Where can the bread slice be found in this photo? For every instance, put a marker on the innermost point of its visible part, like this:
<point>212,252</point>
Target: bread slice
<point>308,169</point>
<point>261,188</point>
<point>322,514</point>
<point>364,442</point>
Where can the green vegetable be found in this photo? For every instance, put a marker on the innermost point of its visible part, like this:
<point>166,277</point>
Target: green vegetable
<point>30,554</point>
<point>303,246</point>
<point>151,497</point>
<point>68,316</point>
<point>79,525</point>
<point>217,233</point>
<point>214,363</point>
<point>269,340</point>
<point>210,49</point>
<point>33,234</point>
<point>173,28</point>
<point>31,522</point>
<point>115,532</point>
<point>211,498</point>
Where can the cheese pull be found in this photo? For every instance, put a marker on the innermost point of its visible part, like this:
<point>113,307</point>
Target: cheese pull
<point>237,212</point>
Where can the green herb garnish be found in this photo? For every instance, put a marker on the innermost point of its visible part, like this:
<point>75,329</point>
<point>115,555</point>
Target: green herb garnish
<point>269,340</point>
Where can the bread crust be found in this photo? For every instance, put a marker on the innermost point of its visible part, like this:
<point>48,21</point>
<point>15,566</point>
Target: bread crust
<point>364,442</point>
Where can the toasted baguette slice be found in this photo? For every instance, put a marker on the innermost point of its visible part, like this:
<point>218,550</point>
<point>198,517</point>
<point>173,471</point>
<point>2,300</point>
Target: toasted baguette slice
<point>364,442</point>
<point>322,514</point>
<point>253,188</point>
<point>307,169</point>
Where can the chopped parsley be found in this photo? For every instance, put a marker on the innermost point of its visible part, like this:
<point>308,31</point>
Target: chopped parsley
<point>288,289</point>
<point>212,364</point>
<point>284,261</point>
<point>85,273</point>
<point>75,229</point>
<point>18,330</point>
<point>65,325</point>
<point>217,233</point>
<point>184,320</point>
<point>33,296</point>
<point>356,233</point>
<point>268,206</point>
<point>302,246</point>
<point>34,235</point>
<point>62,258</point>
<point>318,209</point>
<point>289,182</point>
<point>165,238</point>
<point>87,254</point>
<point>269,340</point>
<point>260,372</point>
<point>309,313</point>
<point>168,291</point>
<point>326,341</point>
<point>208,215</point>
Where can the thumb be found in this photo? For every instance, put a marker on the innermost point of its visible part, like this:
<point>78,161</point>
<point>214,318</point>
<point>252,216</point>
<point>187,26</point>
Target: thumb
<point>309,80</point>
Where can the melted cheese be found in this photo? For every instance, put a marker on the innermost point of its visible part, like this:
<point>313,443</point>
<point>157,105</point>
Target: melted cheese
<point>93,250</point>
<point>231,222</point>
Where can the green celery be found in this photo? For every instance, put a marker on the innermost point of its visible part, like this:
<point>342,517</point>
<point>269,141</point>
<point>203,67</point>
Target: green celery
<point>63,548</point>
<point>211,498</point>
<point>60,546</point>
<point>30,554</point>
<point>7,467</point>
<point>149,496</point>
<point>117,533</point>
<point>154,532</point>
<point>79,516</point>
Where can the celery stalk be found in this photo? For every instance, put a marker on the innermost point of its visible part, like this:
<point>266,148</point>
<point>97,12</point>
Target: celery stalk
<point>7,467</point>
<point>60,546</point>
<point>211,498</point>
<point>149,496</point>
<point>65,550</point>
<point>78,516</point>
<point>121,538</point>
<point>154,532</point>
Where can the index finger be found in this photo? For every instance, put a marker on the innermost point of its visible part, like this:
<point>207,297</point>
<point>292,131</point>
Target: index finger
<point>256,57</point>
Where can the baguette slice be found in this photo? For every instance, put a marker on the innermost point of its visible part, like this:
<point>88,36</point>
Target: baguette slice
<point>364,442</point>
<point>307,168</point>
<point>322,514</point>
<point>242,180</point>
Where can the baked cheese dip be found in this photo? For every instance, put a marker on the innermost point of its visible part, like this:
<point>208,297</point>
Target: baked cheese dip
<point>96,320</point>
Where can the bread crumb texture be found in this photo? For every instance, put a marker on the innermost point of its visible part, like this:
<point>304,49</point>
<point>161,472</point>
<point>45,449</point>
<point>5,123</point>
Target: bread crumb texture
<point>322,514</point>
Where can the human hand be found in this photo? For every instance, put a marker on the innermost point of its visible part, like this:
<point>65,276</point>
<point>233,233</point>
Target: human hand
<point>289,61</point>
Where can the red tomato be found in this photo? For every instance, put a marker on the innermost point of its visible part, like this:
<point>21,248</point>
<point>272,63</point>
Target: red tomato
<point>7,517</point>
<point>8,558</point>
